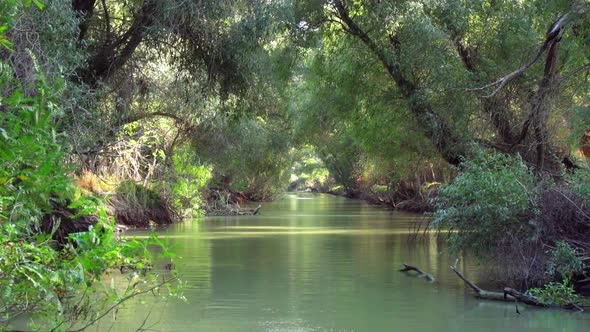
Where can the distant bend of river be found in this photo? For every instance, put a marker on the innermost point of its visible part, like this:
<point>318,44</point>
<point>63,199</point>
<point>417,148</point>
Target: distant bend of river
<point>322,263</point>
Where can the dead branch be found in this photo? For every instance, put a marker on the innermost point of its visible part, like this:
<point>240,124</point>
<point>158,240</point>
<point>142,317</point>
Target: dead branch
<point>421,273</point>
<point>553,36</point>
<point>509,294</point>
<point>255,211</point>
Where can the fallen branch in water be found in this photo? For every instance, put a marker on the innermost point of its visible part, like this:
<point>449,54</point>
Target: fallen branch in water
<point>255,211</point>
<point>421,273</point>
<point>512,295</point>
<point>509,294</point>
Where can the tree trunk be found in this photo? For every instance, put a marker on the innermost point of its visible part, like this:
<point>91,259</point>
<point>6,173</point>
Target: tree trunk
<point>451,145</point>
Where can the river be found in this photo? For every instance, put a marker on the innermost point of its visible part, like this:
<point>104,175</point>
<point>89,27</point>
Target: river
<point>323,263</point>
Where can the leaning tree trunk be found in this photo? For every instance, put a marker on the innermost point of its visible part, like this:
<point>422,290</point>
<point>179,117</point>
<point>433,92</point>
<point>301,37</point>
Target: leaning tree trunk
<point>447,141</point>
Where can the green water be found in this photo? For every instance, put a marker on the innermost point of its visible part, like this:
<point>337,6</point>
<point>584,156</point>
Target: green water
<point>323,263</point>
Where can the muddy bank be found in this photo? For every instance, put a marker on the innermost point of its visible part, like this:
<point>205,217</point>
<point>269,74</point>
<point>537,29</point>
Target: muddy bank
<point>406,199</point>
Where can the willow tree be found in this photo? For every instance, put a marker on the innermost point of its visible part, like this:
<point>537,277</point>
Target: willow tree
<point>500,74</point>
<point>215,70</point>
<point>351,113</point>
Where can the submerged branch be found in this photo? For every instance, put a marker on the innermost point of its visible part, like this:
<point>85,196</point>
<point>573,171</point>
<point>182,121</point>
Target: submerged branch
<point>508,294</point>
<point>421,273</point>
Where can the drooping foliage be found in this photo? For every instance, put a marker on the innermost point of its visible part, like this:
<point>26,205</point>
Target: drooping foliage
<point>158,102</point>
<point>487,204</point>
<point>468,45</point>
<point>57,244</point>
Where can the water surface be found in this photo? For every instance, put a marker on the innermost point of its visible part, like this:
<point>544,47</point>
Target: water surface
<point>323,263</point>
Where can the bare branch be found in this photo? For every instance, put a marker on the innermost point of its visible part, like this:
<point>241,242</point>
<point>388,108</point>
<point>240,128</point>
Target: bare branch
<point>421,273</point>
<point>121,301</point>
<point>553,36</point>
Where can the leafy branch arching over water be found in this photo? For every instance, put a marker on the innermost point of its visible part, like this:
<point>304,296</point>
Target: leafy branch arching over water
<point>149,111</point>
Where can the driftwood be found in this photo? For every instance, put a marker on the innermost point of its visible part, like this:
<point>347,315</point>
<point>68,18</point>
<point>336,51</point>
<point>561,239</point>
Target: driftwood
<point>421,273</point>
<point>255,211</point>
<point>508,295</point>
<point>511,295</point>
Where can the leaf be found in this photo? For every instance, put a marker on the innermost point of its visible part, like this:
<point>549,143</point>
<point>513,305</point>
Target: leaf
<point>4,134</point>
<point>6,43</point>
<point>39,4</point>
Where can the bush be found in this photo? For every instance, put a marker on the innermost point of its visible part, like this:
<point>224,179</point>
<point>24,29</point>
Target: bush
<point>490,200</point>
<point>556,293</point>
<point>188,183</point>
<point>564,261</point>
<point>133,204</point>
<point>59,286</point>
<point>580,184</point>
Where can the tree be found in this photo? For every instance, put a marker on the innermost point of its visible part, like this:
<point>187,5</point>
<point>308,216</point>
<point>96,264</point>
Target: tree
<point>465,53</point>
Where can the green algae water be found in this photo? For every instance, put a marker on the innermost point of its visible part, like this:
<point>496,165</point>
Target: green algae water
<point>322,263</point>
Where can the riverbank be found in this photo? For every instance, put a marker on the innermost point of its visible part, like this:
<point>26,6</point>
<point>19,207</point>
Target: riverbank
<point>406,200</point>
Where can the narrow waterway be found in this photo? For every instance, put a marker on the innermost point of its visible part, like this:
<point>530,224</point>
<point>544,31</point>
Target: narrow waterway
<point>322,263</point>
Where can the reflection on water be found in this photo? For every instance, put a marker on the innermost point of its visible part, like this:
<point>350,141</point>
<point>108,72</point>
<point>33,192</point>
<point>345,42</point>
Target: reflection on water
<point>322,263</point>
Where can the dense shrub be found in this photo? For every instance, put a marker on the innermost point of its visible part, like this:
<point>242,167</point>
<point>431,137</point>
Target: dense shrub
<point>557,293</point>
<point>565,260</point>
<point>136,205</point>
<point>496,208</point>
<point>491,200</point>
<point>53,280</point>
<point>187,185</point>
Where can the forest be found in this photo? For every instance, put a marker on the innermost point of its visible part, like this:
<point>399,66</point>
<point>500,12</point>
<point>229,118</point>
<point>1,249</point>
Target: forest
<point>144,113</point>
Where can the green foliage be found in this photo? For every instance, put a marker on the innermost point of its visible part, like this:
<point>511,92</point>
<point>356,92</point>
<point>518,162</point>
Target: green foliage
<point>579,183</point>
<point>188,184</point>
<point>564,260</point>
<point>31,170</point>
<point>491,199</point>
<point>557,293</point>
<point>248,154</point>
<point>308,170</point>
<point>363,133</point>
<point>58,286</point>
<point>7,12</point>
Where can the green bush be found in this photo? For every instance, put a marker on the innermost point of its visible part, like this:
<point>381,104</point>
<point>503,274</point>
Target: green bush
<point>580,184</point>
<point>564,261</point>
<point>556,293</point>
<point>187,186</point>
<point>57,285</point>
<point>491,199</point>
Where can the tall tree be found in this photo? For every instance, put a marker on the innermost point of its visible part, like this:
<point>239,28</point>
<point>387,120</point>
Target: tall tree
<point>425,47</point>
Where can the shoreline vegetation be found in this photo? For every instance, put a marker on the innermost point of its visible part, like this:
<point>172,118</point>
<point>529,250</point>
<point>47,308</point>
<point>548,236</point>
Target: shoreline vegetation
<point>142,113</point>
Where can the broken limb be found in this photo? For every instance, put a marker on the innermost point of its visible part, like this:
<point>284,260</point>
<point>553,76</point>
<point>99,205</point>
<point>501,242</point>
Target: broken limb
<point>421,273</point>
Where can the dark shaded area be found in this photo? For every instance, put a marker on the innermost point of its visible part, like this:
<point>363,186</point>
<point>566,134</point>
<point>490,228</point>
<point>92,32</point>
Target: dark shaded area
<point>63,221</point>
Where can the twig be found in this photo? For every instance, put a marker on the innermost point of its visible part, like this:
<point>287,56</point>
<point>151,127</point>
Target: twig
<point>121,301</point>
